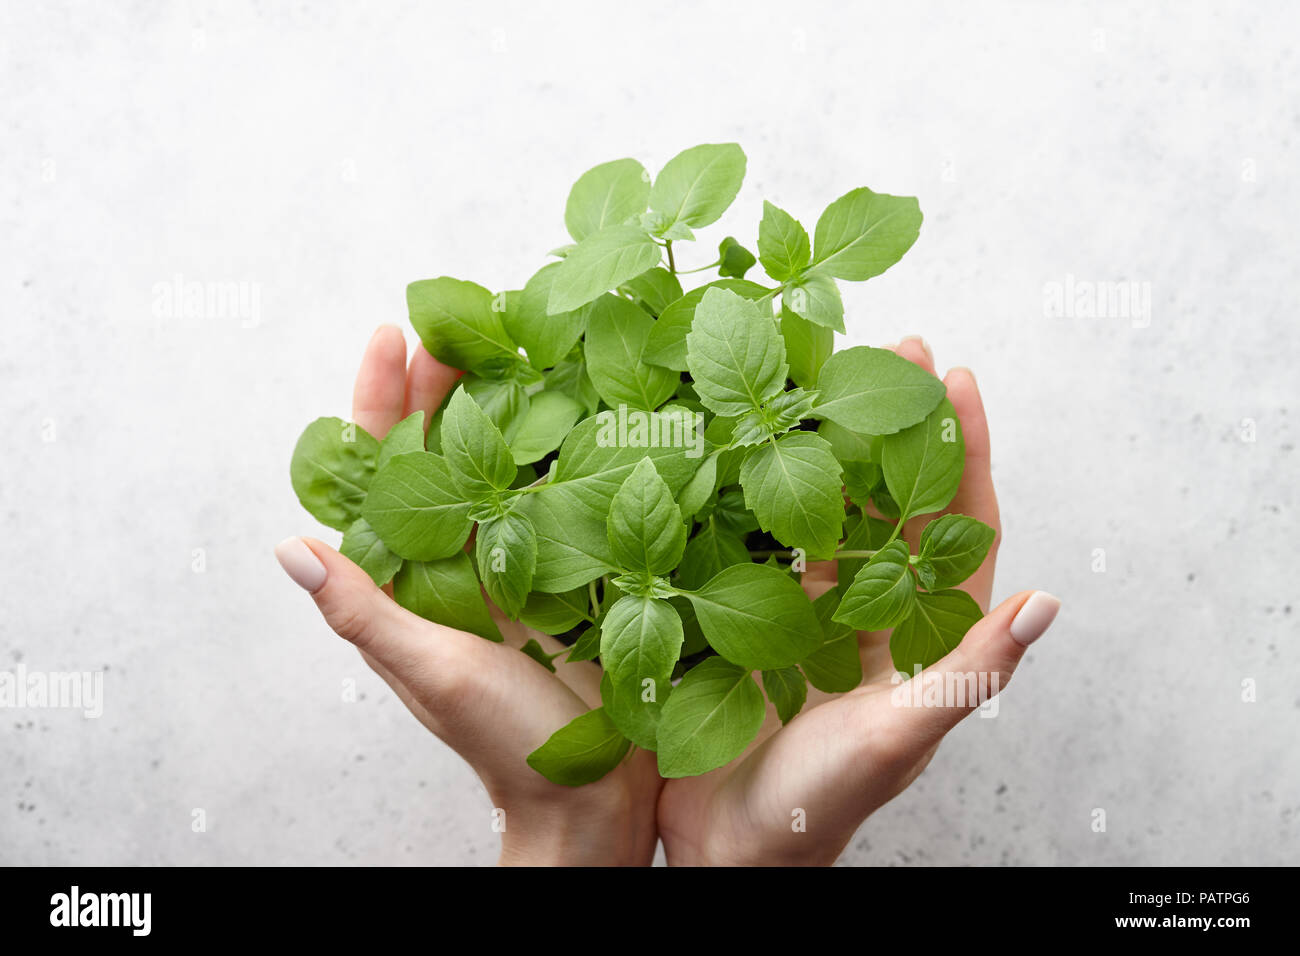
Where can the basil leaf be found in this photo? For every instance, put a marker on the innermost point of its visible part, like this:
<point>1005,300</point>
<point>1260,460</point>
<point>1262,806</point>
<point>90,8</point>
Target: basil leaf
<point>547,337</point>
<point>757,616</point>
<point>569,377</point>
<point>555,613</point>
<point>861,478</point>
<point>537,653</point>
<point>541,429</point>
<point>882,593</point>
<point>815,297</point>
<point>503,400</point>
<point>331,468</point>
<point>863,534</point>
<point>874,391</point>
<point>602,261</point>
<point>792,485</point>
<point>445,592</point>
<point>506,550</point>
<point>587,646</point>
<point>414,508</point>
<point>709,552</point>
<point>836,666</point>
<point>666,345</point>
<point>646,532</point>
<point>938,622</point>
<point>406,436</point>
<point>582,751</point>
<point>640,639</point>
<point>734,260</point>
<point>701,486</point>
<point>697,185</point>
<point>952,549</point>
<point>477,457</point>
<point>606,195</point>
<point>617,332</point>
<point>362,546</point>
<point>458,325</point>
<point>783,245</point>
<point>862,233</point>
<point>923,464</point>
<point>653,290</point>
<point>787,690</point>
<point>735,353</point>
<point>711,717</point>
<point>807,347</point>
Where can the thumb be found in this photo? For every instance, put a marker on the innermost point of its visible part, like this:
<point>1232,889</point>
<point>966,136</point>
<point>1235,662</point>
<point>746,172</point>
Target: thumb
<point>418,653</point>
<point>981,665</point>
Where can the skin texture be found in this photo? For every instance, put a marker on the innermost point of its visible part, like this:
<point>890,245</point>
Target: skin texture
<point>842,757</point>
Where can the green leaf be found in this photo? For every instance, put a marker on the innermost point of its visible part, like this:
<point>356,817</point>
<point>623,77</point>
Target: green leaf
<point>537,653</point>
<point>459,326</point>
<point>787,690</point>
<point>414,508</point>
<point>569,377</point>
<point>952,549</point>
<point>601,262</point>
<point>640,639</point>
<point>863,533</point>
<point>735,353</point>
<point>862,233</point>
<point>807,347</point>
<point>582,751</point>
<point>571,513</point>
<point>546,337</point>
<point>938,622</point>
<point>550,417</point>
<point>587,646</point>
<point>711,717</point>
<point>362,546</point>
<point>654,290</point>
<point>646,532</point>
<point>331,469</point>
<point>850,445</point>
<point>757,616</point>
<point>697,185</point>
<point>617,332</point>
<point>923,464</point>
<point>477,457</point>
<point>667,343</point>
<point>783,245</point>
<point>734,260</point>
<point>815,297</point>
<point>606,195</point>
<point>874,391</point>
<point>701,486</point>
<point>445,592</point>
<point>503,400</point>
<point>506,550</point>
<point>406,436</point>
<point>555,613</point>
<point>836,666</point>
<point>793,487</point>
<point>861,478</point>
<point>709,552</point>
<point>882,593</point>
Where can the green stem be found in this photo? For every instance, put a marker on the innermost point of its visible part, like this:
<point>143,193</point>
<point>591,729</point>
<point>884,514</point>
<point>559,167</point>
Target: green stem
<point>595,601</point>
<point>711,265</point>
<point>790,554</point>
<point>672,265</point>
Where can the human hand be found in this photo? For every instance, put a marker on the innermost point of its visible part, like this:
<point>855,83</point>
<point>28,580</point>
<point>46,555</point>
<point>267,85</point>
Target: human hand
<point>488,702</point>
<point>846,755</point>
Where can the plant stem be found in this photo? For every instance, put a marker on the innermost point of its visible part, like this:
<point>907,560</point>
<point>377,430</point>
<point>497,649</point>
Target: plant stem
<point>595,601</point>
<point>672,265</point>
<point>790,554</point>
<point>711,265</point>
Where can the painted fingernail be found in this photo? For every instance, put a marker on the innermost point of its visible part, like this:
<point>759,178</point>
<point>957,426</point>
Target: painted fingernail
<point>300,563</point>
<point>1034,617</point>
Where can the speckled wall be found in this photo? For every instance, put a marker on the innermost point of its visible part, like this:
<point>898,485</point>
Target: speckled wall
<point>319,156</point>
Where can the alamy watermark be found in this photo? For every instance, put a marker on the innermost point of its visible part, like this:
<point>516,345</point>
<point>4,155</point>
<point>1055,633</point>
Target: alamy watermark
<point>1088,299</point>
<point>21,689</point>
<point>977,689</point>
<point>633,428</point>
<point>191,299</point>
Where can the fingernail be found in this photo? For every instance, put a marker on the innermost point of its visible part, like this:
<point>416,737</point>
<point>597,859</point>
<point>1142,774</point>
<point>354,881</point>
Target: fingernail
<point>921,342</point>
<point>1034,617</point>
<point>300,563</point>
<point>963,368</point>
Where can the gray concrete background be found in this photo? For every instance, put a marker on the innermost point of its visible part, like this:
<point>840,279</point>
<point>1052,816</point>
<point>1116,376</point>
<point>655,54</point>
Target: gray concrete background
<point>326,154</point>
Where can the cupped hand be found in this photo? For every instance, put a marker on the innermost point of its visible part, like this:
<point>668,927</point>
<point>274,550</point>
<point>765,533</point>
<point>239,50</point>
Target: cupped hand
<point>488,702</point>
<point>799,793</point>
